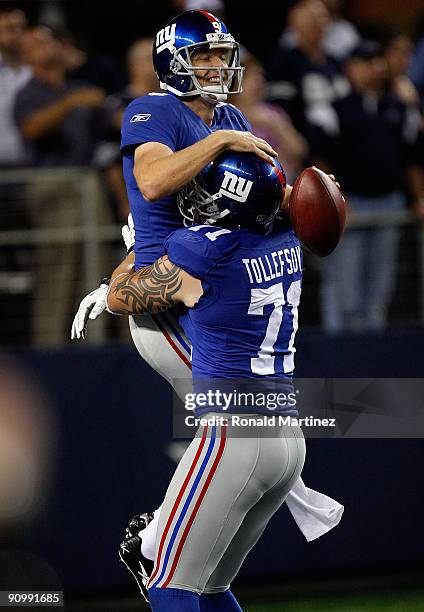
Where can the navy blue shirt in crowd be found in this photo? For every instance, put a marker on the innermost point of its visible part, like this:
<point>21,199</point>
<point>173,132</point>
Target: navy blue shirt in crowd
<point>166,119</point>
<point>305,89</point>
<point>72,142</point>
<point>100,71</point>
<point>372,143</point>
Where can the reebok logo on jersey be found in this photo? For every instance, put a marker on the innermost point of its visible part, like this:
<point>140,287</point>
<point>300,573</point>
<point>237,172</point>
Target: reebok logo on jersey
<point>140,117</point>
<point>235,187</point>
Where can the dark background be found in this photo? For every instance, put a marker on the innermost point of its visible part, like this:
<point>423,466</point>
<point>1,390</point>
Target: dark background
<point>110,26</point>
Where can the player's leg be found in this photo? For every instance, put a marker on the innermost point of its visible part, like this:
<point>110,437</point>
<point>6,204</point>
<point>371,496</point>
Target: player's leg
<point>219,602</point>
<point>197,477</point>
<point>256,520</point>
<point>161,342</point>
<point>219,480</point>
<point>174,600</point>
<point>190,479</point>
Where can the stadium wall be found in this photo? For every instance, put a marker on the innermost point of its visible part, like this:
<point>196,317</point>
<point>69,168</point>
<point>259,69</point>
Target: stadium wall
<point>113,459</point>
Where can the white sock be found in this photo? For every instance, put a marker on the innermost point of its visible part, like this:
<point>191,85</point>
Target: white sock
<point>148,536</point>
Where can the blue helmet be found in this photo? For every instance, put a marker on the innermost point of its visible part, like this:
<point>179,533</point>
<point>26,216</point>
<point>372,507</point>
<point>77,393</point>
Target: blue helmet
<point>241,188</point>
<point>173,48</point>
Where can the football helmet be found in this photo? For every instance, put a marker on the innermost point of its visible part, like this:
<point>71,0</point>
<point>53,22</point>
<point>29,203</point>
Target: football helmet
<point>241,187</point>
<point>174,46</point>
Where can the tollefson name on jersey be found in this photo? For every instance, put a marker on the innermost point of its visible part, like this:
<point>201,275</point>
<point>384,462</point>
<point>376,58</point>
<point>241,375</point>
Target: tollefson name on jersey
<point>268,267</point>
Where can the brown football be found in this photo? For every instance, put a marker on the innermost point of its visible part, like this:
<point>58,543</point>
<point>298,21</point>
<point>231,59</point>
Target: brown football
<point>317,211</point>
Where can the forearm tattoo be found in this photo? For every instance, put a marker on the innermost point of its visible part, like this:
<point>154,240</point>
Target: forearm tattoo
<point>151,289</point>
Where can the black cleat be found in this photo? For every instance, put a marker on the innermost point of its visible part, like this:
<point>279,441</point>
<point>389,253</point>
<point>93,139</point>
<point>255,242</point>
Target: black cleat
<point>137,523</point>
<point>130,553</point>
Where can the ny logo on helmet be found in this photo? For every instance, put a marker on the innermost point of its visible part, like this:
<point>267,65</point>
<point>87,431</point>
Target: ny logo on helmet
<point>165,38</point>
<point>235,187</point>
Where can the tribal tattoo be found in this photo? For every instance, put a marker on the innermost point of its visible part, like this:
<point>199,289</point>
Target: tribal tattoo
<point>151,289</point>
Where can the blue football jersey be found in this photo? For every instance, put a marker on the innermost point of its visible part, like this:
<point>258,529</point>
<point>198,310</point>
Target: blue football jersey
<point>245,323</point>
<point>166,119</point>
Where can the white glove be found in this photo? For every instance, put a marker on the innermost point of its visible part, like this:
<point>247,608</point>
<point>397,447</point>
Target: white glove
<point>91,306</point>
<point>128,234</point>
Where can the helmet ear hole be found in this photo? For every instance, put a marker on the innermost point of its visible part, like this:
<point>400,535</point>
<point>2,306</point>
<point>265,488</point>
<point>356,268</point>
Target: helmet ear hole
<point>175,66</point>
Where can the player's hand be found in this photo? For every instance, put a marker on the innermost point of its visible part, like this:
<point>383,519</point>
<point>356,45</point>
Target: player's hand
<point>128,234</point>
<point>333,178</point>
<point>246,142</point>
<point>87,97</point>
<point>90,308</point>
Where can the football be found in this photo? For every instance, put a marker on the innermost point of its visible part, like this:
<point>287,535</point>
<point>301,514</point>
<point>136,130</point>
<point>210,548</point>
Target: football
<point>317,211</point>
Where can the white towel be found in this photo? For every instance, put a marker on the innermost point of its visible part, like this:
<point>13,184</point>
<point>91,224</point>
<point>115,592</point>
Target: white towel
<point>314,513</point>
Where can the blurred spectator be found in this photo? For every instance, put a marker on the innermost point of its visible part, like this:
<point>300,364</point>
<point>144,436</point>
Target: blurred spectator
<point>369,154</point>
<point>54,115</point>
<point>26,445</point>
<point>98,70</point>
<point>341,36</point>
<point>302,78</point>
<point>416,74</point>
<point>216,7</point>
<point>397,49</point>
<point>416,70</point>
<point>14,276</point>
<point>56,119</point>
<point>269,121</point>
<point>142,80</point>
<point>14,74</point>
<point>398,54</point>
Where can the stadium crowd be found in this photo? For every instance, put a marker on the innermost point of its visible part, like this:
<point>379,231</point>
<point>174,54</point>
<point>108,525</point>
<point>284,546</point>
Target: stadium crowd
<point>330,94</point>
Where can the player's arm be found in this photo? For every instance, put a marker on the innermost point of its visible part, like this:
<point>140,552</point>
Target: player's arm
<point>160,172</point>
<point>152,289</point>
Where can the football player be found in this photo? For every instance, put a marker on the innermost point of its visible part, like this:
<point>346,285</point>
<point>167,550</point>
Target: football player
<point>241,280</point>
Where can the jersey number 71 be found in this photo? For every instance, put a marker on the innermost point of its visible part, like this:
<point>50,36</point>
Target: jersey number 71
<point>264,363</point>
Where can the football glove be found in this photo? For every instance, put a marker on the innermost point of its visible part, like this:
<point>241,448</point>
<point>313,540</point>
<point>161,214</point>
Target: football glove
<point>90,308</point>
<point>128,234</point>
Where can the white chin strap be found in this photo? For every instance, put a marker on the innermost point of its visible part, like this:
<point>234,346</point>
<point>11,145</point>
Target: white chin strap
<point>211,95</point>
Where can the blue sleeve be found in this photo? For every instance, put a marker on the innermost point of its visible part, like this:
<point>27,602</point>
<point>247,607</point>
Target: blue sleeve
<point>245,122</point>
<point>150,119</point>
<point>192,252</point>
<point>242,119</point>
